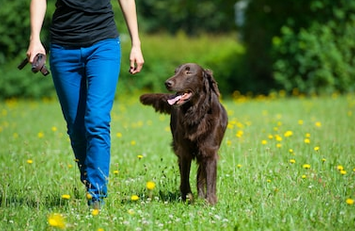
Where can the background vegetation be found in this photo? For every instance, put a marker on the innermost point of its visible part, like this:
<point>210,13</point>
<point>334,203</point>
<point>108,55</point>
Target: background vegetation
<point>298,45</point>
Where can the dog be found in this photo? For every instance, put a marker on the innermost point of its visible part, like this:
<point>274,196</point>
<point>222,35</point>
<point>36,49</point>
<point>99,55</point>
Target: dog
<point>198,122</point>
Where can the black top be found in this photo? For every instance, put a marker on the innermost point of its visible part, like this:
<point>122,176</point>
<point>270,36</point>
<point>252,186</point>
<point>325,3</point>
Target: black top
<point>81,23</point>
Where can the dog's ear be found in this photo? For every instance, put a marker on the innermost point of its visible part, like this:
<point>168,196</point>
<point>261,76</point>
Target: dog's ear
<point>210,82</point>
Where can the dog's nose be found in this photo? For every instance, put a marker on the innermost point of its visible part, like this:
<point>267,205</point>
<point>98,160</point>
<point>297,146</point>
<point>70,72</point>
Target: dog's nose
<point>168,83</point>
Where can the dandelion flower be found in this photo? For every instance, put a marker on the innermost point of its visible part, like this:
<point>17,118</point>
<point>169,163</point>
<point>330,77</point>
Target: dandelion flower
<point>88,196</point>
<point>324,160</point>
<point>239,134</point>
<point>229,143</point>
<point>306,166</point>
<point>288,133</point>
<point>118,134</point>
<point>278,145</point>
<point>278,138</point>
<point>66,196</point>
<point>290,150</point>
<point>268,180</point>
<point>133,142</point>
<point>304,176</point>
<point>264,142</point>
<point>115,172</point>
<point>40,134</point>
<point>29,161</point>
<point>349,201</point>
<point>150,185</point>
<point>270,136</point>
<point>343,172</point>
<point>307,141</point>
<point>308,135</point>
<point>239,165</point>
<point>340,167</point>
<point>100,229</point>
<point>54,129</point>
<point>134,198</point>
<point>318,124</point>
<point>316,149</point>
<point>56,220</point>
<point>95,212</point>
<point>140,156</point>
<point>300,122</point>
<point>292,161</point>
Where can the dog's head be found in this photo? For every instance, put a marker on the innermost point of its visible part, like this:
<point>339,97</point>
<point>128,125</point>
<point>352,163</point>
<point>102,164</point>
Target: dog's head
<point>189,82</point>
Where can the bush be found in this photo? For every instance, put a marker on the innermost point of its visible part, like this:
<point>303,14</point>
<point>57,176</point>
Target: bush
<point>318,59</point>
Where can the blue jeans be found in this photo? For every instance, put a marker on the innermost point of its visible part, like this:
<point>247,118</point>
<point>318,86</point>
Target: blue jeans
<point>85,80</point>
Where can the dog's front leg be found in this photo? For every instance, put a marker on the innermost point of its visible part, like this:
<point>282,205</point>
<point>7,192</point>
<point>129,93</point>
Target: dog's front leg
<point>184,167</point>
<point>211,178</point>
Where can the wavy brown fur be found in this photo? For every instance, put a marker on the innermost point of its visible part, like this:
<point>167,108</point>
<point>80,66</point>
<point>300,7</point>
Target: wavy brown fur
<point>197,125</point>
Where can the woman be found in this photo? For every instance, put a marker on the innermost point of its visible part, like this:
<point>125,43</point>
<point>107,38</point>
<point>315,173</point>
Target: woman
<point>85,63</point>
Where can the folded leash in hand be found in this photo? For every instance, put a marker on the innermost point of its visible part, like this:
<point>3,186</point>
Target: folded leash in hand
<point>37,64</point>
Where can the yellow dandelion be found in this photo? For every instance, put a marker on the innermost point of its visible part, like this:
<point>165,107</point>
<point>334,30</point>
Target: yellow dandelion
<point>150,185</point>
<point>66,196</point>
<point>264,142</point>
<point>340,167</point>
<point>118,134</point>
<point>349,201</point>
<point>140,156</point>
<point>300,122</point>
<point>278,145</point>
<point>318,124</point>
<point>40,134</point>
<point>268,180</point>
<point>29,161</point>
<point>88,196</point>
<point>304,176</point>
<point>306,166</point>
<point>70,166</point>
<point>95,212</point>
<point>54,129</point>
<point>56,220</point>
<point>288,133</point>
<point>239,134</point>
<point>134,198</point>
<point>290,150</point>
<point>343,172</point>
<point>270,136</point>
<point>133,142</point>
<point>229,143</point>
<point>100,229</point>
<point>324,160</point>
<point>278,138</point>
<point>316,149</point>
<point>115,172</point>
<point>230,126</point>
<point>292,161</point>
<point>353,169</point>
<point>308,135</point>
<point>307,141</point>
<point>239,166</point>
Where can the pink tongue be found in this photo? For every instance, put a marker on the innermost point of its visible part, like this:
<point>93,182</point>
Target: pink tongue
<point>174,100</point>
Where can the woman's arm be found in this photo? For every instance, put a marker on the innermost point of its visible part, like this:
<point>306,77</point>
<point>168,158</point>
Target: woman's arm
<point>37,13</point>
<point>128,8</point>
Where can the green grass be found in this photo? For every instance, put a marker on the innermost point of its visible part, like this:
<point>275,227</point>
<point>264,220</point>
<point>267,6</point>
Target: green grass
<point>258,187</point>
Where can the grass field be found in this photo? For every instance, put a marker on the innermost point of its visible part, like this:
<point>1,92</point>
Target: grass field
<point>285,164</point>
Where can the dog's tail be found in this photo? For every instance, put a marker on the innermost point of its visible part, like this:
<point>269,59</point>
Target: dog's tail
<point>158,100</point>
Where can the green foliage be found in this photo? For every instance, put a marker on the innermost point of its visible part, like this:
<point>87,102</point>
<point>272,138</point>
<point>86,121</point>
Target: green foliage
<point>318,58</point>
<point>258,186</point>
<point>301,44</point>
<point>190,16</point>
<point>163,53</point>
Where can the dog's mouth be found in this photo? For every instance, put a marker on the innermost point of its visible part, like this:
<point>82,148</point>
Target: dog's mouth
<point>180,98</point>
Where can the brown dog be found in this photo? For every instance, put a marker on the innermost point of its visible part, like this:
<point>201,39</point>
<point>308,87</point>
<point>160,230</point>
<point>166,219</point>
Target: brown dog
<point>198,122</point>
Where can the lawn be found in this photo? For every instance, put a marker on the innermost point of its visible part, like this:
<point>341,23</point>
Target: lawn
<point>285,164</point>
